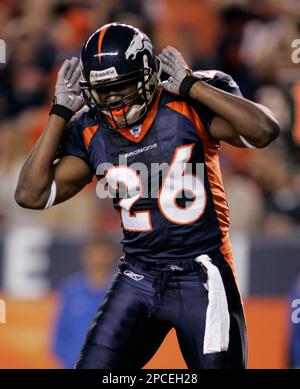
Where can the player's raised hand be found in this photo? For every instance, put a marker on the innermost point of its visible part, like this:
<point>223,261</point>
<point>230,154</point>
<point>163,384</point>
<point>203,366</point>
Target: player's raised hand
<point>173,64</point>
<point>67,89</point>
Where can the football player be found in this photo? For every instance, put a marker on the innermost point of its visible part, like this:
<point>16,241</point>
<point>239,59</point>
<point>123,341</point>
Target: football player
<point>177,270</point>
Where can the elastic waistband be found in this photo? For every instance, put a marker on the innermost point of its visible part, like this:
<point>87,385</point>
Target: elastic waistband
<point>181,265</point>
<point>168,262</point>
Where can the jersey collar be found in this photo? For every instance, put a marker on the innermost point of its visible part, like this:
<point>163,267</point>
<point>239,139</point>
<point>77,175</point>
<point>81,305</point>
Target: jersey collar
<point>148,121</point>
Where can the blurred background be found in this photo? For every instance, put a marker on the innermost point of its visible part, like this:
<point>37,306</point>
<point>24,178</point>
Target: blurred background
<point>55,266</point>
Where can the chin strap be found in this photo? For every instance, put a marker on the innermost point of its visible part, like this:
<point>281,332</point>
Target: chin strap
<point>135,111</point>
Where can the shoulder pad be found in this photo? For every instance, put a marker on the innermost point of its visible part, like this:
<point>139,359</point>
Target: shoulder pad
<point>216,78</point>
<point>79,114</point>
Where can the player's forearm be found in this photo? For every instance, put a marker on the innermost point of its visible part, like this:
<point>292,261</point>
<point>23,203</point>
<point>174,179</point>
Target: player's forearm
<point>255,123</point>
<point>36,176</point>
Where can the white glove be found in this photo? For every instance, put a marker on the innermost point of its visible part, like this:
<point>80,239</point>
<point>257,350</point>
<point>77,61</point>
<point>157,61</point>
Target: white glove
<point>173,64</point>
<point>67,89</point>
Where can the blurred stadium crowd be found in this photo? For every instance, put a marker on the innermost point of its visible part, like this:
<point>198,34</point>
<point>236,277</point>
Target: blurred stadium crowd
<point>251,40</point>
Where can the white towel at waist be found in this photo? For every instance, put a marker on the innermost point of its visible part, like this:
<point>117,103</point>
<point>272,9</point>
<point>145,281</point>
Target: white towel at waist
<point>217,324</point>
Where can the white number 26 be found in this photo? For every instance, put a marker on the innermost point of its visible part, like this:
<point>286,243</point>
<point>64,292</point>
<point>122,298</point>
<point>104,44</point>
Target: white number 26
<point>176,181</point>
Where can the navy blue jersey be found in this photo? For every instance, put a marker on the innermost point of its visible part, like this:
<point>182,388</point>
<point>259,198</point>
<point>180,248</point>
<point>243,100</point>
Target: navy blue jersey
<point>185,217</point>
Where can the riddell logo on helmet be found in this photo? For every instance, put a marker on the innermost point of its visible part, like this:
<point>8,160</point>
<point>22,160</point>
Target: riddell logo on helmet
<point>138,43</point>
<point>100,75</point>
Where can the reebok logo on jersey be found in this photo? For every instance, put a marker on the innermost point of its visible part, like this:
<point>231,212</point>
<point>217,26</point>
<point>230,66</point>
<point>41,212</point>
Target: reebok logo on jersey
<point>134,276</point>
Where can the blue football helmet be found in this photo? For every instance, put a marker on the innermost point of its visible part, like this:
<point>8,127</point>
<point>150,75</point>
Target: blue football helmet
<point>114,56</point>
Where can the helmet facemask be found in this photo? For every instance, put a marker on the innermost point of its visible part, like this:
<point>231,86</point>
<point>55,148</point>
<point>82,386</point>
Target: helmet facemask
<point>129,109</point>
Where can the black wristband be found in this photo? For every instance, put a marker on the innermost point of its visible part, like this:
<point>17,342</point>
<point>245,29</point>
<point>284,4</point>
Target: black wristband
<point>61,111</point>
<point>186,84</point>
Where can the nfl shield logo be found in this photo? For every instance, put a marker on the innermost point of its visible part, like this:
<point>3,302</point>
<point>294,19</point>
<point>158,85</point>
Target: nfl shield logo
<point>135,131</point>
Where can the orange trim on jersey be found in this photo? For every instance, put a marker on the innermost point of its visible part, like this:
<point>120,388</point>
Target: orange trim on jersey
<point>88,134</point>
<point>100,39</point>
<point>226,250</point>
<point>211,150</point>
<point>150,116</point>
<point>296,128</point>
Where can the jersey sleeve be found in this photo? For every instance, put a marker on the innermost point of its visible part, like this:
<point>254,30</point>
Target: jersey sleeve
<point>72,142</point>
<point>218,80</point>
